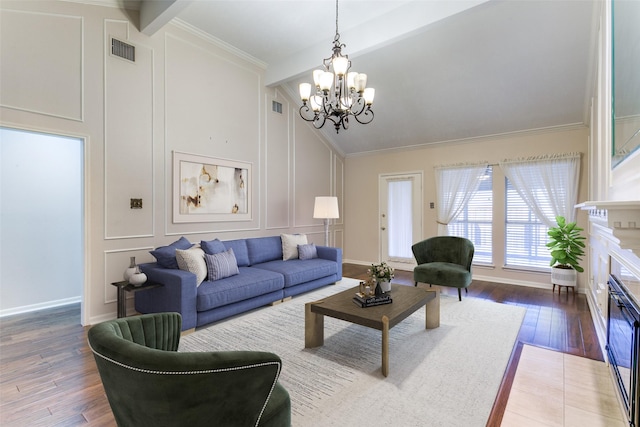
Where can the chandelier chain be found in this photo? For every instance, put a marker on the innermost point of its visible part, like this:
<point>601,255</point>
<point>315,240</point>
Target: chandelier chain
<point>337,33</point>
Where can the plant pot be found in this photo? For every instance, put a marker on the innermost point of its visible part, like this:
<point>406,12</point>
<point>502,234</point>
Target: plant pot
<point>385,285</point>
<point>564,276</point>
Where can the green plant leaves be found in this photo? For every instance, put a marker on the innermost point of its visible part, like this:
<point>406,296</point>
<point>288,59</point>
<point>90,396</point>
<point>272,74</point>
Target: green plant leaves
<point>566,244</point>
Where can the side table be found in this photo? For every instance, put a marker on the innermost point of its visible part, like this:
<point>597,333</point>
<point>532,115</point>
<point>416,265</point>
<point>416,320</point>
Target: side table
<point>124,287</point>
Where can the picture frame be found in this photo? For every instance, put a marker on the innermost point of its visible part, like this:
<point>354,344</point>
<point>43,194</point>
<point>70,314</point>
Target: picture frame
<point>210,189</point>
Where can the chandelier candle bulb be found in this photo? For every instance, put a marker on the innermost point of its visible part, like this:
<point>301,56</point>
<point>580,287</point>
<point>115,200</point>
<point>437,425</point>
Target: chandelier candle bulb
<point>368,95</point>
<point>316,103</point>
<point>316,77</point>
<point>305,91</point>
<point>361,82</point>
<point>340,65</point>
<point>351,80</point>
<point>326,81</point>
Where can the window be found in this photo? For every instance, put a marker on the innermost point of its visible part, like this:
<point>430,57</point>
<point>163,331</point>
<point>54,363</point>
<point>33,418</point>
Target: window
<point>526,235</point>
<point>475,220</point>
<point>537,190</point>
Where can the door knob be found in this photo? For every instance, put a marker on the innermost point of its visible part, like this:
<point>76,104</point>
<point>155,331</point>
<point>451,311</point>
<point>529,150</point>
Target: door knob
<point>382,228</point>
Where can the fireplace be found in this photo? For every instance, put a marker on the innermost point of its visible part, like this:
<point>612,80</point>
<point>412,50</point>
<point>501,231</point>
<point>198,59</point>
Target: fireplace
<point>623,334</point>
<point>613,293</point>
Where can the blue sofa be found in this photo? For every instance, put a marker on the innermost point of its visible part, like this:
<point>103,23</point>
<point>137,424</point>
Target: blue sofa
<point>263,278</point>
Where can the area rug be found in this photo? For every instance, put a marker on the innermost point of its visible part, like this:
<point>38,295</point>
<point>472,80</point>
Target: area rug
<point>447,376</point>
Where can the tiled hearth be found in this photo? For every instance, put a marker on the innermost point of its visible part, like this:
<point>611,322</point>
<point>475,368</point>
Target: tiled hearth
<point>557,389</point>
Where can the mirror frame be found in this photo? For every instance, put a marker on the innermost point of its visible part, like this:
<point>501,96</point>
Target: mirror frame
<point>625,79</point>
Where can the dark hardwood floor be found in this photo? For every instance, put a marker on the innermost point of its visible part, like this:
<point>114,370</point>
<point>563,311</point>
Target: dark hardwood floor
<point>48,376</point>
<point>557,321</point>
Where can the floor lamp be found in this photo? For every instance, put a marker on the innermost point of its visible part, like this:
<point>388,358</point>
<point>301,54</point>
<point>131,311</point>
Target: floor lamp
<point>326,207</point>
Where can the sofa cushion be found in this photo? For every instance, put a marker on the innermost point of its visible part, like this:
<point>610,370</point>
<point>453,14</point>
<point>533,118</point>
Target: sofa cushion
<point>298,271</point>
<point>221,265</point>
<point>239,250</point>
<point>251,282</point>
<point>192,260</point>
<point>307,251</point>
<point>211,247</point>
<point>290,244</point>
<point>166,255</point>
<point>262,249</point>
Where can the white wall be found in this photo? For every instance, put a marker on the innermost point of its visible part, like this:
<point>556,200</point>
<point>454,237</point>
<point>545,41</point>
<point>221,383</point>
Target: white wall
<point>184,93</point>
<point>361,211</point>
<point>41,241</point>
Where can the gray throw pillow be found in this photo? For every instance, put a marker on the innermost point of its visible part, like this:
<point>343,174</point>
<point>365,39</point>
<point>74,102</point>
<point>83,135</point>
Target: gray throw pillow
<point>307,251</point>
<point>221,265</point>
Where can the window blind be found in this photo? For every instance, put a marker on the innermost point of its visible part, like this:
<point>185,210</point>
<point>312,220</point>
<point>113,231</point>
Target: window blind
<point>475,220</point>
<point>526,235</point>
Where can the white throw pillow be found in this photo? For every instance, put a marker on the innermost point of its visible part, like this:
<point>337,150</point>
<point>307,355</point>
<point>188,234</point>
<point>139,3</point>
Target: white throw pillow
<point>192,260</point>
<point>290,244</point>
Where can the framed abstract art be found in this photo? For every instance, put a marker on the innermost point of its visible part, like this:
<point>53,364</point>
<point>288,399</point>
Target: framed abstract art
<point>207,189</point>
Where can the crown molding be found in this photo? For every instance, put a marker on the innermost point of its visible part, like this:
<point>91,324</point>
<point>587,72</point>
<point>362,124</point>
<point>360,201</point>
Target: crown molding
<point>218,42</point>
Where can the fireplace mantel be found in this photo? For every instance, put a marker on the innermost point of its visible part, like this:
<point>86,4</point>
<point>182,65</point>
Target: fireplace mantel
<point>622,218</point>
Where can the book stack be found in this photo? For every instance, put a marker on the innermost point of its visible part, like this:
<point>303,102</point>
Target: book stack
<point>363,301</point>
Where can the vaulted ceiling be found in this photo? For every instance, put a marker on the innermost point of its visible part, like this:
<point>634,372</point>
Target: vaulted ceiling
<point>443,70</point>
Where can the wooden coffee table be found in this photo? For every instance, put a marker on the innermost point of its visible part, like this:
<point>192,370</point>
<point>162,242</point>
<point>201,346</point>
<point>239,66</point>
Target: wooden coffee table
<point>406,300</point>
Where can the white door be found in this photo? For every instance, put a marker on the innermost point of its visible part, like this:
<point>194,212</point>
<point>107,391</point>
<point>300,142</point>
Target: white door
<point>400,217</point>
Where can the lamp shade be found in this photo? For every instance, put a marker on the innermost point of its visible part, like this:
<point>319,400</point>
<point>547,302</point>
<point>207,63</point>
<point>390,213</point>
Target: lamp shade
<point>326,207</point>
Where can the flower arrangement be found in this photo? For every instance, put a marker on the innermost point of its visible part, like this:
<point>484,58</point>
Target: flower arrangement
<point>381,271</point>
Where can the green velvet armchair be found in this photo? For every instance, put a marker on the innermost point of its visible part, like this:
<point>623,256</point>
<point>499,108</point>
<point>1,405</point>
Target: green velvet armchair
<point>444,261</point>
<point>149,383</point>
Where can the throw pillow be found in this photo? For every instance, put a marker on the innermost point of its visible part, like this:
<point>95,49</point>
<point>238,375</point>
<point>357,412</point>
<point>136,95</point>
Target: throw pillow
<point>192,260</point>
<point>166,255</point>
<point>221,265</point>
<point>214,246</point>
<point>290,244</point>
<point>307,251</point>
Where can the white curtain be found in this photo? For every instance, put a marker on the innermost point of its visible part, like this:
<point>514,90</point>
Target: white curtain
<point>547,184</point>
<point>455,185</point>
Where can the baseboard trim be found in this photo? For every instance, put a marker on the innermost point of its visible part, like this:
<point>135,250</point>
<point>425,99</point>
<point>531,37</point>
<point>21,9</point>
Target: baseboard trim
<point>40,306</point>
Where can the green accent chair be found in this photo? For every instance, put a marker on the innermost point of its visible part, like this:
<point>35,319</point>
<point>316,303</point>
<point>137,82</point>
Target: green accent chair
<point>444,261</point>
<point>149,383</point>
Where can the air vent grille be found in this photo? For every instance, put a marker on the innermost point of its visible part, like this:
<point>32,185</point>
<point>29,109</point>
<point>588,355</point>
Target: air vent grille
<point>123,50</point>
<point>276,107</point>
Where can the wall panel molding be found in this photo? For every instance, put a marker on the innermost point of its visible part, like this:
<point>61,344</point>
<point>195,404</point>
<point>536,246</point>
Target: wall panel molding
<point>204,128</point>
<point>42,75</point>
<point>128,137</point>
<point>277,160</point>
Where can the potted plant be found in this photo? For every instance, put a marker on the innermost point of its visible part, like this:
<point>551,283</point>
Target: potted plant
<point>566,245</point>
<point>381,273</point>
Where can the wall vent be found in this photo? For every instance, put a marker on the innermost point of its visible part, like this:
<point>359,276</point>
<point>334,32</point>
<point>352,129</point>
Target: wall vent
<point>276,107</point>
<point>123,50</point>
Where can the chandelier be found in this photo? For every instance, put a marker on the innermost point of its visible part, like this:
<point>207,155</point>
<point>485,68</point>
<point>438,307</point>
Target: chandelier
<point>338,92</point>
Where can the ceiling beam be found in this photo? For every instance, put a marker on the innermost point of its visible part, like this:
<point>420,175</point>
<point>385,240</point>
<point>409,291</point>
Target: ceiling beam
<point>155,14</point>
<point>411,18</point>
